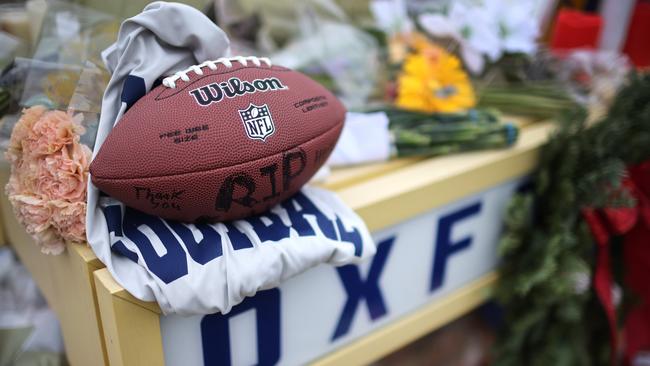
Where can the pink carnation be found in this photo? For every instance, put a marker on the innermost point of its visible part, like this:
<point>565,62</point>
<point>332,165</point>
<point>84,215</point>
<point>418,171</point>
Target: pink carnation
<point>25,177</point>
<point>50,242</point>
<point>53,131</point>
<point>22,128</point>
<point>13,187</point>
<point>33,213</point>
<point>49,175</point>
<point>64,174</point>
<point>70,220</point>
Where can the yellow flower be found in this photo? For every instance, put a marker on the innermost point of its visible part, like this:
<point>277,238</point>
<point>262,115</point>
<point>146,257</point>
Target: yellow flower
<point>432,80</point>
<point>401,44</point>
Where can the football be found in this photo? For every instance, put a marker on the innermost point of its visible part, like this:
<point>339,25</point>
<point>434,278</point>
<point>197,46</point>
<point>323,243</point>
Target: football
<point>219,141</point>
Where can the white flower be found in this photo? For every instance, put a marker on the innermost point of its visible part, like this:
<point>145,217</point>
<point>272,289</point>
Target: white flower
<point>518,26</point>
<point>391,16</point>
<point>471,28</point>
<point>478,28</point>
<point>486,30</point>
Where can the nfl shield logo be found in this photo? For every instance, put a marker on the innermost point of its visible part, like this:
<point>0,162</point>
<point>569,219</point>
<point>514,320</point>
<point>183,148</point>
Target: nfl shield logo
<point>257,121</point>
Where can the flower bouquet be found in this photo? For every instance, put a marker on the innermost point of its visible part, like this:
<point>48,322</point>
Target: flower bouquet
<point>49,175</point>
<point>434,103</point>
<point>422,88</point>
<point>47,147</point>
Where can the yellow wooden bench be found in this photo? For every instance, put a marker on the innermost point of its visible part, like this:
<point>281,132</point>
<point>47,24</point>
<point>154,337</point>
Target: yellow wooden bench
<point>384,195</point>
<point>104,324</point>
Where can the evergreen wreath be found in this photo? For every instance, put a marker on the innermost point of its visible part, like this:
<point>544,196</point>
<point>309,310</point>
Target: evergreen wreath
<point>551,313</point>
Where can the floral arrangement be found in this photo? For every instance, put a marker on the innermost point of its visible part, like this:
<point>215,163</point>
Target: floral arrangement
<point>480,30</point>
<point>494,40</point>
<point>433,80</point>
<point>49,176</point>
<point>486,29</point>
<point>431,103</point>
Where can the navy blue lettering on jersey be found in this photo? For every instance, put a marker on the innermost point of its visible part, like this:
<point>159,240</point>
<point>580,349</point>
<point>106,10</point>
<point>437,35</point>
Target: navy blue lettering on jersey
<point>141,229</point>
<point>353,237</point>
<point>113,215</point>
<point>358,289</point>
<point>215,330</point>
<point>276,230</point>
<point>238,239</point>
<point>168,267</point>
<point>204,250</point>
<point>445,247</point>
<point>298,208</point>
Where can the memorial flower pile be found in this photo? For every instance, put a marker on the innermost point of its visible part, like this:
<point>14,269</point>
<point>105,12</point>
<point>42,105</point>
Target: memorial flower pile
<point>49,176</point>
<point>486,30</point>
<point>433,80</point>
<point>432,103</point>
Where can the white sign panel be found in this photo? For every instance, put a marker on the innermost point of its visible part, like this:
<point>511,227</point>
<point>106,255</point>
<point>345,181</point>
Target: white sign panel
<point>418,261</point>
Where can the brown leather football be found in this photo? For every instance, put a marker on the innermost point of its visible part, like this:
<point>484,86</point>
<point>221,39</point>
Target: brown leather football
<point>219,141</point>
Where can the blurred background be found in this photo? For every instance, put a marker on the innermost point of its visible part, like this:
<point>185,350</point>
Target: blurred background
<point>447,76</point>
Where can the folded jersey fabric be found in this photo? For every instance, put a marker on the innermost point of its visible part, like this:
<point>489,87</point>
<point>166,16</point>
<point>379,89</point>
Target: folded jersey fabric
<point>203,268</point>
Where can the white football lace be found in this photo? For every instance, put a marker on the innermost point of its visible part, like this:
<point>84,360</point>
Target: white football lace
<point>170,81</point>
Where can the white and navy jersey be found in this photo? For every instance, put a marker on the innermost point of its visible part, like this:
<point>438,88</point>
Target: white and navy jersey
<point>207,268</point>
<point>203,268</point>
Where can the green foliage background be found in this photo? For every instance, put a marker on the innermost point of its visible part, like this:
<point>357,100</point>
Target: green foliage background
<point>547,248</point>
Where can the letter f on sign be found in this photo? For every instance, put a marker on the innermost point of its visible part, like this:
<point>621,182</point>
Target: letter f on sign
<point>445,247</point>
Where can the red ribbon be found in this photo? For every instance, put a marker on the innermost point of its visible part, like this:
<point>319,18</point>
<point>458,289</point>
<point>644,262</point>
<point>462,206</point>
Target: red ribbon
<point>634,224</point>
